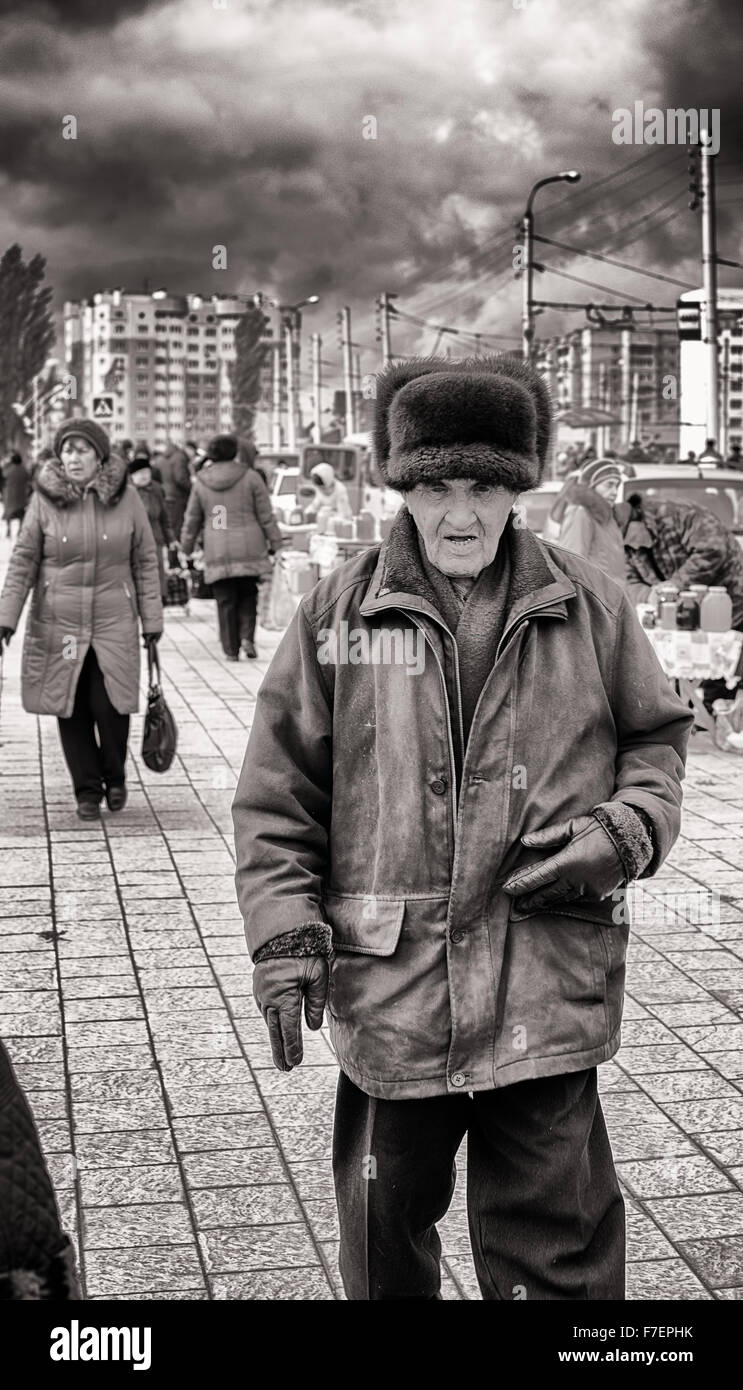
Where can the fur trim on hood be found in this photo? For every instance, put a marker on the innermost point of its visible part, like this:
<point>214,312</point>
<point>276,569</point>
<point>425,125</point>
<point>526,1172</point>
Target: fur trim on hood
<point>109,482</point>
<point>487,418</point>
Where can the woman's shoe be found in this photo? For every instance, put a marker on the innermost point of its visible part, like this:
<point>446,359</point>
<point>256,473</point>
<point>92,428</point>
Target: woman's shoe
<point>88,810</point>
<point>249,649</point>
<point>232,656</point>
<point>116,797</point>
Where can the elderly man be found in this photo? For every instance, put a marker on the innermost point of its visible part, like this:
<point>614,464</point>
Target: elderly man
<point>438,853</point>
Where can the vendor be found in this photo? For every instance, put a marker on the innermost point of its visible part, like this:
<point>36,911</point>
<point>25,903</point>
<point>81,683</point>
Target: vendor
<point>332,497</point>
<point>668,542</point>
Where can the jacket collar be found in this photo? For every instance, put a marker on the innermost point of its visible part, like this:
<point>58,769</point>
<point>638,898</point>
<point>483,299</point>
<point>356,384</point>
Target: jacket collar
<point>399,580</point>
<point>109,482</point>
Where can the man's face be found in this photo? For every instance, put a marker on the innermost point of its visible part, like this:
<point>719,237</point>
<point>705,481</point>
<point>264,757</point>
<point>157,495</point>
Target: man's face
<point>460,522</point>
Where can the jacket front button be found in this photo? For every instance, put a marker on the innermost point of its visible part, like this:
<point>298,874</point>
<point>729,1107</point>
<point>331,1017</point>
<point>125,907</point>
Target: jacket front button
<point>439,786</point>
<point>458,1078</point>
<point>456,934</point>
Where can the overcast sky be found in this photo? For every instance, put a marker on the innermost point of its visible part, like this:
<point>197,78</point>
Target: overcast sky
<point>240,123</point>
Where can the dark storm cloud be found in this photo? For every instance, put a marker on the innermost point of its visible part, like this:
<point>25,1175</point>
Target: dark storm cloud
<point>242,126</point>
<point>73,14</point>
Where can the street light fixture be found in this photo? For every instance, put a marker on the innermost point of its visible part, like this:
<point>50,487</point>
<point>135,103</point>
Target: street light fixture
<point>527,268</point>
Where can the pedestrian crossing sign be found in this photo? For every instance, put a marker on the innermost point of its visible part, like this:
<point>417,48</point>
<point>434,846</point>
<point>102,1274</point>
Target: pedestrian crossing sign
<point>103,407</point>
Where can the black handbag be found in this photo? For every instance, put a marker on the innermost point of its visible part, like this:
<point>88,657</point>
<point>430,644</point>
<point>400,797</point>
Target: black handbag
<point>160,736</point>
<point>177,594</point>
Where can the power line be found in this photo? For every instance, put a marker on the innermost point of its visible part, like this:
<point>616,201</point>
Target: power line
<point>592,285</point>
<point>609,260</point>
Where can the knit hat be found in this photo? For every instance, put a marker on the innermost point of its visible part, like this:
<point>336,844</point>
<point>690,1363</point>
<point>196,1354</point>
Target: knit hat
<point>598,470</point>
<point>222,448</point>
<point>86,429</point>
<point>142,452</point>
<point>485,418</point>
<point>139,462</point>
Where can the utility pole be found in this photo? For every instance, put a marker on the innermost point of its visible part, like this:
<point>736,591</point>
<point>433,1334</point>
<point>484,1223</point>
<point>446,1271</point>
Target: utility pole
<point>276,393</point>
<point>348,370</point>
<point>317,383</point>
<point>602,406</point>
<point>626,386</point>
<point>527,280</point>
<point>709,282</point>
<point>291,392</point>
<point>385,309</point>
<point>634,413</point>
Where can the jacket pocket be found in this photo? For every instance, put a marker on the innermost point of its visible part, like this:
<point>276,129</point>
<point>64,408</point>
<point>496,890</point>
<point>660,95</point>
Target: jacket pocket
<point>606,912</point>
<point>365,924</point>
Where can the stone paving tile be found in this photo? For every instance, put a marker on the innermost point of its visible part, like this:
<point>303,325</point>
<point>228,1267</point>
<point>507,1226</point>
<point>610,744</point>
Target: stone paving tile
<point>305,1283</point>
<point>724,1146</point>
<point>116,1187</point>
<point>199,1134</point>
<point>233,1167</point>
<point>256,1205</point>
<point>214,1100</point>
<point>651,1279</point>
<point>690,1218</point>
<point>257,1247</point>
<point>163,1223</point>
<point>671,1177</point>
<point>125,1271</point>
<point>125,1148</point>
<point>719,1261</point>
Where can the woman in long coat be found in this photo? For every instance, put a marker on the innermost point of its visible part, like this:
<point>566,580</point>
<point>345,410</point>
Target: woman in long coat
<point>86,550</point>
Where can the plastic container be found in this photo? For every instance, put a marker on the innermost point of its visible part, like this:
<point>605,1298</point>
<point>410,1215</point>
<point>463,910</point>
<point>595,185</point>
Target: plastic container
<point>667,605</point>
<point>716,610</point>
<point>647,614</point>
<point>698,590</point>
<point>687,611</point>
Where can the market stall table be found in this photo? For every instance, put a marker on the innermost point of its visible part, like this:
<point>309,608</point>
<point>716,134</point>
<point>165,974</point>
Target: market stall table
<point>688,658</point>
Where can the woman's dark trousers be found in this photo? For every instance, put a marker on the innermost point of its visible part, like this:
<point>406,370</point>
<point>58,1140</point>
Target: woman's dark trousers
<point>546,1216</point>
<point>94,764</point>
<point>237,600</point>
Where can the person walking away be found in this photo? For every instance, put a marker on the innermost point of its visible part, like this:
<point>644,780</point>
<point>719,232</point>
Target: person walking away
<point>332,494</point>
<point>153,498</point>
<point>16,489</point>
<point>437,847</point>
<point>176,480</point>
<point>230,504</point>
<point>583,511</point>
<point>87,551</point>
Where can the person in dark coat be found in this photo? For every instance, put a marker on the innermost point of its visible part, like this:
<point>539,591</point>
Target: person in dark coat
<point>230,504</point>
<point>37,1259</point>
<point>174,465</point>
<point>16,490</point>
<point>583,511</point>
<point>463,752</point>
<point>151,493</point>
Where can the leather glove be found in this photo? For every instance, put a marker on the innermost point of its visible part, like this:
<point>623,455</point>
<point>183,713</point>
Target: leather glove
<point>587,865</point>
<point>150,639</point>
<point>279,985</point>
<point>5,635</point>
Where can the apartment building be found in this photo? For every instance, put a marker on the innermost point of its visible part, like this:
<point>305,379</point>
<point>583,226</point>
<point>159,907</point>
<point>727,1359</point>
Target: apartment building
<point>695,368</point>
<point>156,366</point>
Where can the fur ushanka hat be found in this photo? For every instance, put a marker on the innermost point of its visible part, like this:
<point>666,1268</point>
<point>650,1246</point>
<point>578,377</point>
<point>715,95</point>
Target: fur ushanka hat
<point>486,418</point>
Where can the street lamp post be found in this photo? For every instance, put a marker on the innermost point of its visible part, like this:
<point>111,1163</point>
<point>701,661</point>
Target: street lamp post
<point>527,265</point>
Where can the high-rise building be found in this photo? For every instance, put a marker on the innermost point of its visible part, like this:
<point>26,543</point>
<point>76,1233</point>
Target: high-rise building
<point>157,366</point>
<point>694,369</point>
<point>629,374</point>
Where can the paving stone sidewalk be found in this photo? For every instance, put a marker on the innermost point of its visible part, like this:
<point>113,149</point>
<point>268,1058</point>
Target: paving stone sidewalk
<point>186,1167</point>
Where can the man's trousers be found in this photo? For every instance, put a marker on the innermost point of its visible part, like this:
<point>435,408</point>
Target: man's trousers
<point>546,1216</point>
